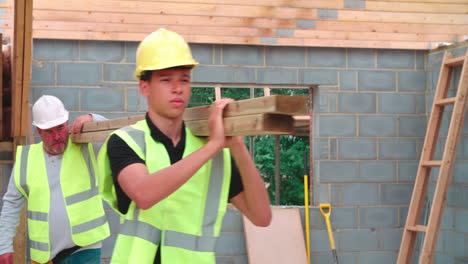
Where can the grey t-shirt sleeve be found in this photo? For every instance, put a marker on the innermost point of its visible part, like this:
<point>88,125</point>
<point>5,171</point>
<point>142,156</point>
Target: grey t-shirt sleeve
<point>13,202</point>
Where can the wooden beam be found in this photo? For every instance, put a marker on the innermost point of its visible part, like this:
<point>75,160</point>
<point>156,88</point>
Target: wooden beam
<point>269,115</point>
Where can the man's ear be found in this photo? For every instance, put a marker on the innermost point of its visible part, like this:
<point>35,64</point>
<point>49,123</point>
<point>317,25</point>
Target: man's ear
<point>144,87</point>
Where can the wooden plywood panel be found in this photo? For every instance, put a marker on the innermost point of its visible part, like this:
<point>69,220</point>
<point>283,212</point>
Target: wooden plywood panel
<point>281,242</point>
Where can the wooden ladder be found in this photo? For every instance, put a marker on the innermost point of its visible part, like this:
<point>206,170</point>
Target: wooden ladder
<point>459,102</point>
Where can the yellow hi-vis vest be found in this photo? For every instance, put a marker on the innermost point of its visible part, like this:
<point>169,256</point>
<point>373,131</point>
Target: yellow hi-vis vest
<point>187,223</point>
<point>83,203</point>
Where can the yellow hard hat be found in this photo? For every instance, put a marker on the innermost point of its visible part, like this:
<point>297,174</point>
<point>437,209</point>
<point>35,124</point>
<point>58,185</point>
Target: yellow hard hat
<point>162,49</point>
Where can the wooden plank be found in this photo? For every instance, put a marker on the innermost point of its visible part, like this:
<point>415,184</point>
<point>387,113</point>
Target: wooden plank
<point>423,18</point>
<point>178,8</point>
<point>276,3</point>
<point>83,35</point>
<point>119,19</point>
<point>281,242</point>
<point>6,146</point>
<point>245,31</point>
<point>247,125</point>
<point>27,58</point>
<point>17,64</point>
<point>276,104</point>
<point>446,8</point>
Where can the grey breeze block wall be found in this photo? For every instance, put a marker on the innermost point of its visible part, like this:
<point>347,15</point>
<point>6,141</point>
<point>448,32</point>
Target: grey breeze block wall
<point>370,115</point>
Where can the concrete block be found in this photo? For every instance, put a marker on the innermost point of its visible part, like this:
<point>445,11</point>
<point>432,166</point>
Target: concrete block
<point>319,241</point>
<point>397,103</point>
<point>245,75</point>
<point>420,103</point>
<point>457,196</point>
<point>407,170</point>
<point>412,126</point>
<point>326,57</point>
<point>317,76</point>
<point>441,258</point>
<point>367,240</point>
<point>448,218</point>
<point>104,51</point>
<point>231,259</point>
<point>378,217</point>
<point>43,73</point>
<point>390,239</point>
<point>395,59</point>
<point>396,194</point>
<point>320,102</point>
<point>333,149</point>
<point>132,100</point>
<point>377,125</point>
<point>357,103</point>
<point>460,221</point>
<point>458,260</point>
<point>118,72</point>
<point>302,23</point>
<point>213,74</point>
<point>69,96</point>
<point>327,257</point>
<point>203,53</point>
<point>55,50</point>
<point>376,81</point>
<point>464,145</point>
<point>403,214</point>
<point>327,13</point>
<point>231,244</point>
<point>285,56</point>
<point>460,172</point>
<point>321,148</point>
<point>455,243</point>
<point>361,58</point>
<point>335,195</point>
<point>130,51</point>
<point>348,80</point>
<point>337,171</point>
<point>242,55</point>
<point>277,76</point>
<point>378,257</point>
<point>284,32</point>
<point>359,194</point>
<point>101,99</point>
<point>217,54</point>
<point>78,73</point>
<point>412,81</point>
<point>420,59</point>
<point>357,148</point>
<point>337,125</point>
<point>460,51</point>
<point>377,171</point>
<point>266,40</point>
<point>232,221</point>
<point>358,4</point>
<point>397,148</point>
<point>434,60</point>
<point>320,190</point>
<point>341,218</point>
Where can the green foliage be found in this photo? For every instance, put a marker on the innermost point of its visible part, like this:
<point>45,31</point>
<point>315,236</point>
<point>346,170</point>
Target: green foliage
<point>291,166</point>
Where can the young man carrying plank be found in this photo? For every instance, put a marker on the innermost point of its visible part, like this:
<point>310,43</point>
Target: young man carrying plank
<point>171,186</point>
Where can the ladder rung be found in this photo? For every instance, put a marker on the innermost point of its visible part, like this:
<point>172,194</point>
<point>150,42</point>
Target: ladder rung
<point>417,228</point>
<point>446,101</point>
<point>458,61</point>
<point>431,163</point>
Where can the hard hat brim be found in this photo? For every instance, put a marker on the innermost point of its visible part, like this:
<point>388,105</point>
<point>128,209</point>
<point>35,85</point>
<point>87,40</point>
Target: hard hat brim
<point>137,73</point>
<point>52,123</point>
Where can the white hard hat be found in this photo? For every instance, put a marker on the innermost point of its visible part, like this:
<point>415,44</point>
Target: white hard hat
<point>48,111</point>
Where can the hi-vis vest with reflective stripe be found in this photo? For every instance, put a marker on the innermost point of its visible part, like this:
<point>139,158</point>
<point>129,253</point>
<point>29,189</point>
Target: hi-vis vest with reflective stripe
<point>83,203</point>
<point>187,223</point>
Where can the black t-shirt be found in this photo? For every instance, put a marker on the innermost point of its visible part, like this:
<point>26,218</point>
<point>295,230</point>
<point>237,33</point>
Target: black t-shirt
<point>121,156</point>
